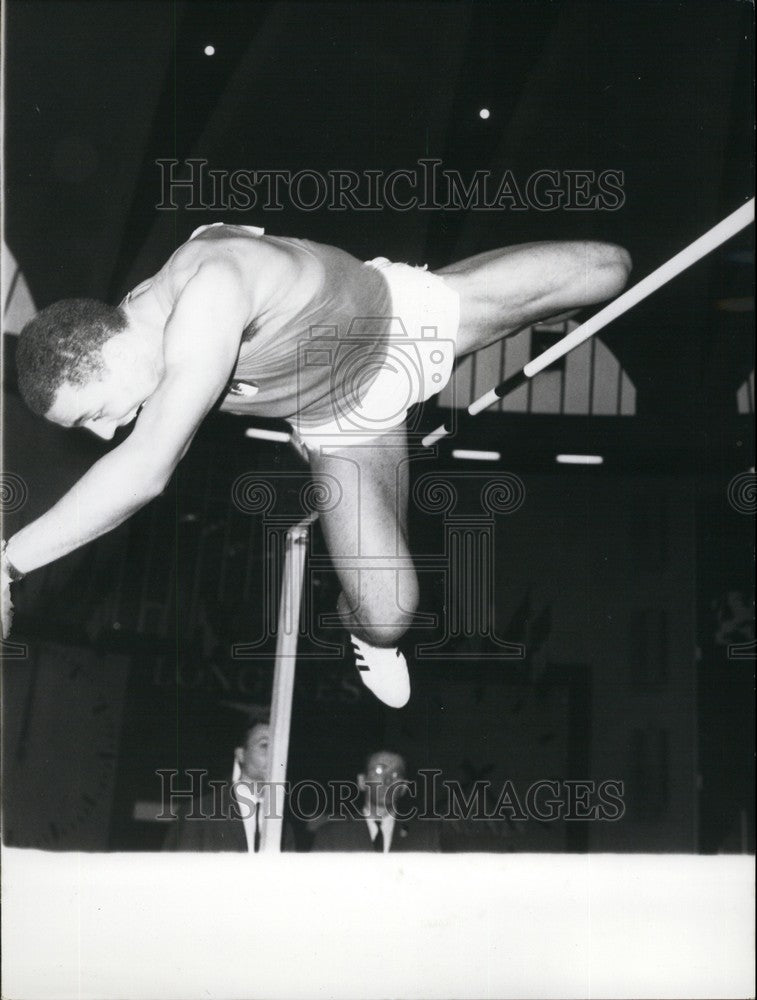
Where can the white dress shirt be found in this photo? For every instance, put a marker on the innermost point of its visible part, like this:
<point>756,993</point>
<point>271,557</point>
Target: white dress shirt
<point>387,828</point>
<point>246,806</point>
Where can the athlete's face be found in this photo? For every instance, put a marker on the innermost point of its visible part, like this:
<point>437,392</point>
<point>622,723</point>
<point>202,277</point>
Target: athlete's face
<point>111,398</point>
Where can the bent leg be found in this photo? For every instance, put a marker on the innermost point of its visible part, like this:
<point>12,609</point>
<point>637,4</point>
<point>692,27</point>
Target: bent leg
<point>366,534</point>
<point>503,290</point>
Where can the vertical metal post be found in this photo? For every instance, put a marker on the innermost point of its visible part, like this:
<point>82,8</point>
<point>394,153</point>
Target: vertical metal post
<point>296,548</point>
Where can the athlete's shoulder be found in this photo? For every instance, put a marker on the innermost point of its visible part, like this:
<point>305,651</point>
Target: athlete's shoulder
<point>263,272</point>
<point>235,246</point>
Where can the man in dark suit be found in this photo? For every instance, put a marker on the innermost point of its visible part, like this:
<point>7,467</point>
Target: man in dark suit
<point>229,819</point>
<point>381,825</point>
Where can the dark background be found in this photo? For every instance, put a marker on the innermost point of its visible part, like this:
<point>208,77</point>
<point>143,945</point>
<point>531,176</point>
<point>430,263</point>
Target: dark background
<point>95,94</point>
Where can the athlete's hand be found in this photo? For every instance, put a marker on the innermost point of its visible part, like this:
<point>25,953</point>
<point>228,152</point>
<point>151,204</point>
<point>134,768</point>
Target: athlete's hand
<point>6,605</point>
<point>299,446</point>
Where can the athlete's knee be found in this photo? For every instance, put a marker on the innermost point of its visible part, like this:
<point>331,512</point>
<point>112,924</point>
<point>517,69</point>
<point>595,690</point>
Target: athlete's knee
<point>615,264</point>
<point>387,621</point>
<point>382,634</point>
<point>382,619</point>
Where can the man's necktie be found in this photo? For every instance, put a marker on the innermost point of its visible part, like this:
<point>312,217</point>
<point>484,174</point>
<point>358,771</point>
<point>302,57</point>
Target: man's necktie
<point>378,840</point>
<point>257,827</point>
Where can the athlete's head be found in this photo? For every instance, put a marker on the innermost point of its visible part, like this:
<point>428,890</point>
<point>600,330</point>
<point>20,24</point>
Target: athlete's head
<point>80,366</point>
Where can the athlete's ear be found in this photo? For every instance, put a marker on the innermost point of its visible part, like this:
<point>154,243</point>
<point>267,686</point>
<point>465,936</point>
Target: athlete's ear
<point>361,782</point>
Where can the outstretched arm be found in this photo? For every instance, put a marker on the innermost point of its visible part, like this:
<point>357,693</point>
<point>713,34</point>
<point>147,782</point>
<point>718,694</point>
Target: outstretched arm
<point>201,343</point>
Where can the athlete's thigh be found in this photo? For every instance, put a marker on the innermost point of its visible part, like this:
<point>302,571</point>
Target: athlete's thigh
<point>366,514</point>
<point>503,290</point>
<point>366,533</point>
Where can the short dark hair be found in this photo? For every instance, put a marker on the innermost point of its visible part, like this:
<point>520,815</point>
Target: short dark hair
<point>372,754</point>
<point>245,732</point>
<point>63,344</point>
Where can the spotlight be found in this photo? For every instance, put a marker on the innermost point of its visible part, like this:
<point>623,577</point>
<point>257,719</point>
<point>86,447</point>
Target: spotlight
<point>475,455</point>
<point>209,50</point>
<point>263,434</point>
<point>484,113</point>
<point>579,459</point>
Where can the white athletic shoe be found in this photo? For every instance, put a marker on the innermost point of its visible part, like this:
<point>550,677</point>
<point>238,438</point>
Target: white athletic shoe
<point>383,671</point>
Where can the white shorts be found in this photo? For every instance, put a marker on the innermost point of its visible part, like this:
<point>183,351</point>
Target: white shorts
<point>418,362</point>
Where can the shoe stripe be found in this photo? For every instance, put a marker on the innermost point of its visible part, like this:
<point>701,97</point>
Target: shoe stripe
<point>359,659</point>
